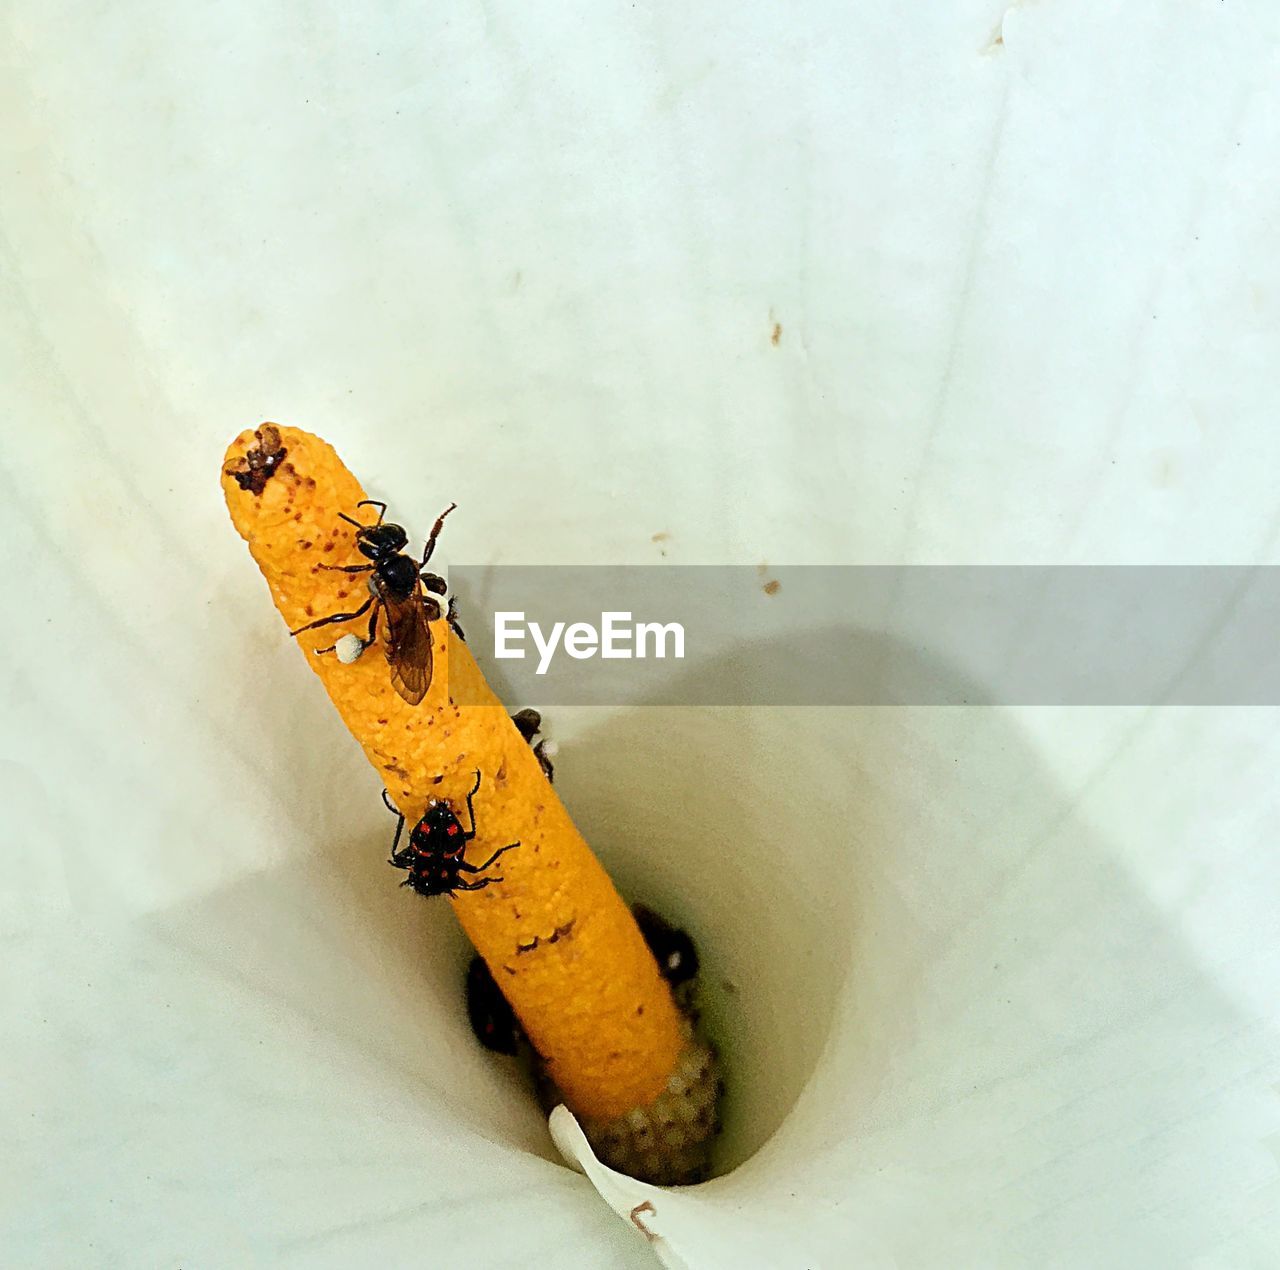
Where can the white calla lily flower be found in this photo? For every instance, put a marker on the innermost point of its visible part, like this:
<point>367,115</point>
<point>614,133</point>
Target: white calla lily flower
<point>821,283</point>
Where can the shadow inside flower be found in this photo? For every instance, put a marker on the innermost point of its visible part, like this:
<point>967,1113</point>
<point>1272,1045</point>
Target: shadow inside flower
<point>939,991</point>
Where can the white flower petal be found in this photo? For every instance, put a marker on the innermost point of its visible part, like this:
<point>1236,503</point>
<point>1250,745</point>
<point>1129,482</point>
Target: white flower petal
<point>1004,982</point>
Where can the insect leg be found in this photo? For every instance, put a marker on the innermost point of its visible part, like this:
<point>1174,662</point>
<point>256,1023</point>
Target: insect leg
<point>337,617</point>
<point>480,868</point>
<point>349,568</point>
<point>452,617</point>
<point>434,534</point>
<point>474,886</point>
<point>434,584</point>
<point>373,502</point>
<point>470,809</point>
<point>395,854</point>
<point>363,643</point>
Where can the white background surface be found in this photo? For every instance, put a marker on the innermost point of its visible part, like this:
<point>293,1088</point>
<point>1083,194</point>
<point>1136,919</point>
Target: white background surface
<point>1007,981</point>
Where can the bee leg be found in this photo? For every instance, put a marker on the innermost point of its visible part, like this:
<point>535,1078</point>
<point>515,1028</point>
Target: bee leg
<point>396,858</point>
<point>480,868</point>
<point>434,534</point>
<point>362,644</point>
<point>471,811</point>
<point>543,752</point>
<point>452,617</point>
<point>336,617</point>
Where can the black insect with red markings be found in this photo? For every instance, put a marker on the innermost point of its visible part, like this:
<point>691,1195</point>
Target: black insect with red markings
<point>400,587</point>
<point>434,856</point>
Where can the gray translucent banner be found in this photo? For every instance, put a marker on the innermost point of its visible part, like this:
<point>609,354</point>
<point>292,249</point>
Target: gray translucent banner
<point>876,635</point>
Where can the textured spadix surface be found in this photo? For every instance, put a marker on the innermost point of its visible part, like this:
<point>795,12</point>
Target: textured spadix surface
<point>801,283</point>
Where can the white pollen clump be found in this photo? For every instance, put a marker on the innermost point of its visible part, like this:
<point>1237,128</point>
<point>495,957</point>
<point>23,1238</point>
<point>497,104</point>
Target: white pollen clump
<point>349,648</point>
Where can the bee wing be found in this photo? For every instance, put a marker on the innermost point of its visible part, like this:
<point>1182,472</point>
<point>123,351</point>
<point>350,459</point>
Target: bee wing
<point>409,651</point>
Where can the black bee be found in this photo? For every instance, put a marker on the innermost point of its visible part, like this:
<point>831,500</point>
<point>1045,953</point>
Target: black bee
<point>434,856</point>
<point>394,590</point>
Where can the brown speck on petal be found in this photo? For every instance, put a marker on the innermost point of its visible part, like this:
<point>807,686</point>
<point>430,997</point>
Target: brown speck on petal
<point>636,1213</point>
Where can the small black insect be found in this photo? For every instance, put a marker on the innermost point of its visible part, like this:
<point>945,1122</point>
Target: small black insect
<point>394,590</point>
<point>259,462</point>
<point>492,1019</point>
<point>528,723</point>
<point>672,948</point>
<point>434,856</point>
